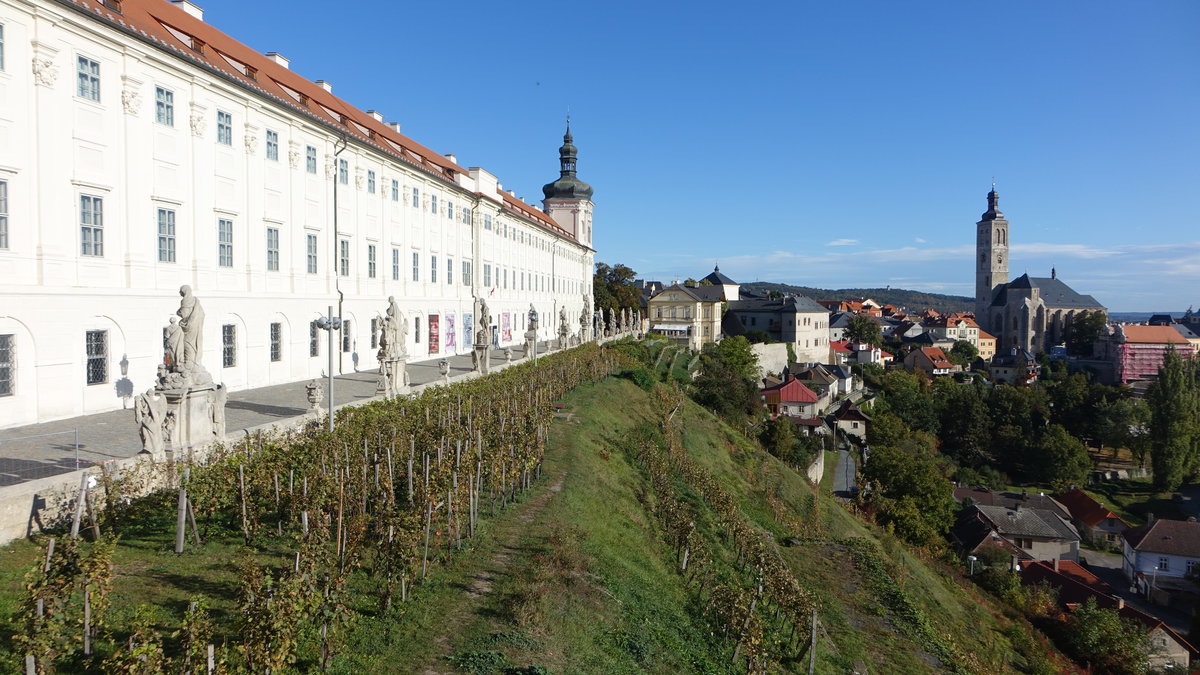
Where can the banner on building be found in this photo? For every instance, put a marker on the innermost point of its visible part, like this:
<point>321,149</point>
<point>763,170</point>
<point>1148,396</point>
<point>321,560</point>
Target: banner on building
<point>433,333</point>
<point>468,332</point>
<point>506,327</point>
<point>450,333</point>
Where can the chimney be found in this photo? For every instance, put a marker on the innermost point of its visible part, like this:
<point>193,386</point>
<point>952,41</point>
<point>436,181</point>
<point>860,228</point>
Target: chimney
<point>1056,564</point>
<point>452,158</point>
<point>325,85</point>
<point>1120,603</point>
<point>278,58</point>
<point>394,126</point>
<point>1149,518</point>
<point>189,7</point>
<point>376,114</point>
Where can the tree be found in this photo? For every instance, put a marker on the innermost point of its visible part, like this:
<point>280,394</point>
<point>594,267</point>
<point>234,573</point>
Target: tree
<point>910,494</point>
<point>906,394</point>
<point>1061,458</point>
<point>779,439</point>
<point>1101,638</point>
<point>886,429</point>
<point>1084,331</point>
<point>963,353</point>
<point>965,432</point>
<point>1174,401</point>
<point>613,287</point>
<point>863,329</point>
<point>726,383</point>
<point>1124,423</point>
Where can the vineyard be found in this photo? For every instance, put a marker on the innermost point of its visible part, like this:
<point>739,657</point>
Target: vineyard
<point>548,519</point>
<point>318,522</point>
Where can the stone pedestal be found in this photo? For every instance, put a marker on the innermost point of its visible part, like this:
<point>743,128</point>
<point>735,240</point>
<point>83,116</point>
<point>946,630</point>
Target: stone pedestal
<point>195,416</point>
<point>530,344</point>
<point>483,362</point>
<point>393,376</point>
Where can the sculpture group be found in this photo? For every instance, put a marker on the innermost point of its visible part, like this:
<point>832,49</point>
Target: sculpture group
<point>184,408</point>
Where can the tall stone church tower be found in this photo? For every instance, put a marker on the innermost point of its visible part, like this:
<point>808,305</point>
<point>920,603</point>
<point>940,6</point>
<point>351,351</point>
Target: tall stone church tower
<point>991,269</point>
<point>569,200</point>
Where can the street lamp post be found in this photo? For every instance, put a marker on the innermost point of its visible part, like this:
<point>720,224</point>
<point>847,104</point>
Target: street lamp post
<point>971,559</point>
<point>330,324</point>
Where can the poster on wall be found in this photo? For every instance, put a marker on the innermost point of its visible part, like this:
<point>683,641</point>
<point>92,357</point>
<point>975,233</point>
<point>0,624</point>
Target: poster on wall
<point>450,333</point>
<point>506,327</point>
<point>433,333</point>
<point>468,333</point>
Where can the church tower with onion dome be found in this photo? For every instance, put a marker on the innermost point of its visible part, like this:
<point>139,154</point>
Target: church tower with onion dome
<point>568,200</point>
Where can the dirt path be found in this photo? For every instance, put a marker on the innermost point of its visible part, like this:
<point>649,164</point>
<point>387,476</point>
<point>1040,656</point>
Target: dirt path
<point>509,540</point>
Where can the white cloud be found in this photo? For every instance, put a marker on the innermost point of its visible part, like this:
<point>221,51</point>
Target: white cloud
<point>842,242</point>
<point>919,240</point>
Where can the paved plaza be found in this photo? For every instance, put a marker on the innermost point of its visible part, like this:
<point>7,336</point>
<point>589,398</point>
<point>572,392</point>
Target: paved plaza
<point>40,450</point>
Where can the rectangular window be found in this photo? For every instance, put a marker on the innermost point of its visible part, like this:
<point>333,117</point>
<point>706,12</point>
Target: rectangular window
<point>314,339</point>
<point>416,266</point>
<point>7,365</point>
<point>466,216</point>
<point>1164,565</point>
<point>3,214</point>
<point>272,145</point>
<point>311,252</point>
<point>91,225</point>
<point>433,269</point>
<point>449,271</point>
<point>164,106</point>
<point>395,264</point>
<point>374,333</point>
<point>371,260</point>
<point>487,275</point>
<point>276,341</point>
<point>97,356</point>
<point>371,182</point>
<point>224,242</point>
<point>417,330</point>
<point>166,235</point>
<point>346,333</point>
<point>224,128</point>
<point>343,172</point>
<point>433,203</point>
<point>466,270</point>
<point>395,190</point>
<point>487,221</point>
<point>344,257</point>
<point>89,79</point>
<point>1,46</point>
<point>416,198</point>
<point>505,277</point>
<point>228,345</point>
<point>449,210</point>
<point>273,249</point>
<point>310,159</point>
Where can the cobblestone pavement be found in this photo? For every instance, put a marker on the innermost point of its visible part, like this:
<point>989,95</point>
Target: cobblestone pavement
<point>113,435</point>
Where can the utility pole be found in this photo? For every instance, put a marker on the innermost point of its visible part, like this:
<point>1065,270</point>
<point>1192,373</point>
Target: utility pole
<point>812,646</point>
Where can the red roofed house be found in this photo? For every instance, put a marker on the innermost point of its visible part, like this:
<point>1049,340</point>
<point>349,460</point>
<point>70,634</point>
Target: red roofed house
<point>1075,584</point>
<point>1092,517</point>
<point>1137,352</point>
<point>791,399</point>
<point>932,360</point>
<point>954,327</point>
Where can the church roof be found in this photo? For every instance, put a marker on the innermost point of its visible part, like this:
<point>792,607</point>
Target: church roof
<point>718,279</point>
<point>1053,291</point>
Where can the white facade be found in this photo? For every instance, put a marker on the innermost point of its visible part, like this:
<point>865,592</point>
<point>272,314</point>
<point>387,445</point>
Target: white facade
<point>127,171</point>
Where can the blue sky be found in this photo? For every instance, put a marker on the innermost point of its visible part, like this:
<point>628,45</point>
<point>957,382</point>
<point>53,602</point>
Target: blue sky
<point>830,144</point>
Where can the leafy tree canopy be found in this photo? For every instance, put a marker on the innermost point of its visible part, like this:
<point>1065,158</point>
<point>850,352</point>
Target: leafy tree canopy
<point>863,329</point>
<point>613,287</point>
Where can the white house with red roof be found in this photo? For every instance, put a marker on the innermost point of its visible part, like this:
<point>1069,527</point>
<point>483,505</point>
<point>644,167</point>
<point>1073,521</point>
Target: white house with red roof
<point>932,360</point>
<point>143,149</point>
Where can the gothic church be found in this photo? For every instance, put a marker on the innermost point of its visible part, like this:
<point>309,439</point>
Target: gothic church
<point>1030,313</point>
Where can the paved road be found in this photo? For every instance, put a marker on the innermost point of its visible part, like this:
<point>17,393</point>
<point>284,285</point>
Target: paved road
<point>1107,566</point>
<point>843,478</point>
<point>113,435</point>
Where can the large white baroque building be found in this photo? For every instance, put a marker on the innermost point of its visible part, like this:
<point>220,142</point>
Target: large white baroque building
<point>141,150</point>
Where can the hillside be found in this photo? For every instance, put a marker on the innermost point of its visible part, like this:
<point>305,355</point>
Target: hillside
<point>912,300</point>
<point>579,575</point>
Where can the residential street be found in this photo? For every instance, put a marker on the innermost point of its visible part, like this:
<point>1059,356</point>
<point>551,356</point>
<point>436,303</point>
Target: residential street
<point>843,479</point>
<point>1107,566</point>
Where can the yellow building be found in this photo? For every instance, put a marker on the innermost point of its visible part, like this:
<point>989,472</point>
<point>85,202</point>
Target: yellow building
<point>987,345</point>
<point>689,314</point>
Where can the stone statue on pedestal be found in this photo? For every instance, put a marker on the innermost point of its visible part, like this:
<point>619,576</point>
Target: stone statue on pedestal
<point>150,412</point>
<point>393,350</point>
<point>531,334</point>
<point>480,359</point>
<point>564,328</point>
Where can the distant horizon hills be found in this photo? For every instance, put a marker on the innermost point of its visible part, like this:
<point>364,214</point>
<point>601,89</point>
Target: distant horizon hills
<point>912,300</point>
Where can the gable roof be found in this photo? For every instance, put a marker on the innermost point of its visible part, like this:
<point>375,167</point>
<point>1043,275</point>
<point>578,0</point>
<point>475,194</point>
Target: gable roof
<point>1173,537</point>
<point>1028,522</point>
<point>937,357</point>
<point>1084,508</point>
<point>1154,335</point>
<point>791,391</point>
<point>1010,500</point>
<point>173,30</point>
<point>697,293</point>
<point>715,277</point>
<point>1055,293</point>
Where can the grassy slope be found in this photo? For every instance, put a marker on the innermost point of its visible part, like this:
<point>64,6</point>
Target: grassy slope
<point>576,579</point>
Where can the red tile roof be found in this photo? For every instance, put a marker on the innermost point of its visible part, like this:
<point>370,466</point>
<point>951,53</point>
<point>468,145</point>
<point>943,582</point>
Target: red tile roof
<point>184,36</point>
<point>937,357</point>
<point>1153,335</point>
<point>1085,509</point>
<point>791,391</point>
<point>840,347</point>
